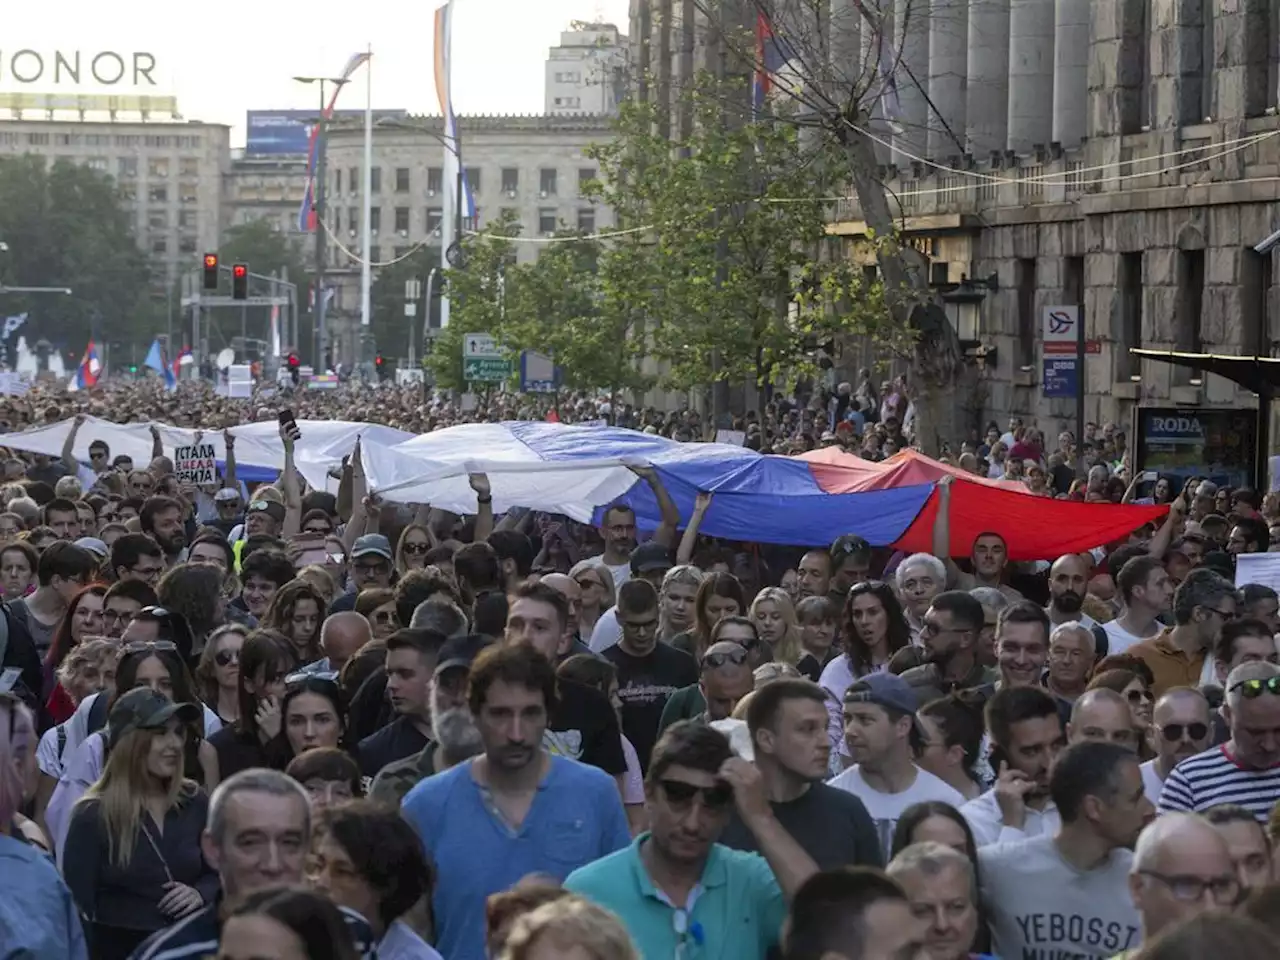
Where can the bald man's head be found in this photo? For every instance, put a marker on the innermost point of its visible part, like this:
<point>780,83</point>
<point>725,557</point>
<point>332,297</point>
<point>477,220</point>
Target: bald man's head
<point>726,678</point>
<point>1174,853</point>
<point>1102,715</point>
<point>342,635</point>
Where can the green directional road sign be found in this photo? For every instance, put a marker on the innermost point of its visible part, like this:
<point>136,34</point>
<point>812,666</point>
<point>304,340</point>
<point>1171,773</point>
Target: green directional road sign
<point>485,369</point>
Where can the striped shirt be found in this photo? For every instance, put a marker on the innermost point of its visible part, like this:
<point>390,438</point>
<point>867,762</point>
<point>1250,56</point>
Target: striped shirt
<point>1215,777</point>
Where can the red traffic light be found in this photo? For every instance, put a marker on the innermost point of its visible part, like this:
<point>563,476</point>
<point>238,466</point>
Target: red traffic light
<point>294,362</point>
<point>239,271</point>
<point>210,259</point>
<point>211,271</point>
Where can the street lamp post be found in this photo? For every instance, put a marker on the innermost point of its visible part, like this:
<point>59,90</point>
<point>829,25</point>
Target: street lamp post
<point>321,183</point>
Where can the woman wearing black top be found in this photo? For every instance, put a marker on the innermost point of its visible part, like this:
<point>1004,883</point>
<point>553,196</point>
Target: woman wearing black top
<point>133,860</point>
<point>266,658</point>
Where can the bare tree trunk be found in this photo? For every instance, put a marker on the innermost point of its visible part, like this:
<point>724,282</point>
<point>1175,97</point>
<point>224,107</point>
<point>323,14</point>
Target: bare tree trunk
<point>936,355</point>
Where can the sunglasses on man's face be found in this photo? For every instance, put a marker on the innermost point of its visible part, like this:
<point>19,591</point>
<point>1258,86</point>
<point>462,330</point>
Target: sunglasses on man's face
<point>680,793</point>
<point>1194,731</point>
<point>1256,688</point>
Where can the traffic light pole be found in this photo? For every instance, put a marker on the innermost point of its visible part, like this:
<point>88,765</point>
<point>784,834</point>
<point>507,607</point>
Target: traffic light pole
<point>321,184</point>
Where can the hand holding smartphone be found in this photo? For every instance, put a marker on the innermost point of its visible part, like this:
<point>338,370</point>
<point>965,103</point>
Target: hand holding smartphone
<point>289,426</point>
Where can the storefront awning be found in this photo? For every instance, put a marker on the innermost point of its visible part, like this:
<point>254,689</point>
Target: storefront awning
<point>1259,374</point>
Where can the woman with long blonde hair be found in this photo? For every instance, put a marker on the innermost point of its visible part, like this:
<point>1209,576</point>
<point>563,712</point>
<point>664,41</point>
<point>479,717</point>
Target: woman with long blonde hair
<point>775,617</point>
<point>134,863</point>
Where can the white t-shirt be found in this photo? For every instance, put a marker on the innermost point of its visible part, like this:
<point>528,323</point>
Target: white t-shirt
<point>1152,784</point>
<point>621,573</point>
<point>606,632</point>
<point>1119,639</point>
<point>887,808</point>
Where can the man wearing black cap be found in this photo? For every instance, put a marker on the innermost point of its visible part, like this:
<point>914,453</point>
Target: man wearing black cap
<point>452,740</point>
<point>850,565</point>
<point>649,561</point>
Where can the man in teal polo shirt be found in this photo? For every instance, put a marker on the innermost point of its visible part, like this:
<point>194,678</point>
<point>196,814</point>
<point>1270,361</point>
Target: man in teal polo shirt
<point>682,895</point>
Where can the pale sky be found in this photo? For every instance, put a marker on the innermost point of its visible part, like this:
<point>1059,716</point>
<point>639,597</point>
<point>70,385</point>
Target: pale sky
<point>221,59</point>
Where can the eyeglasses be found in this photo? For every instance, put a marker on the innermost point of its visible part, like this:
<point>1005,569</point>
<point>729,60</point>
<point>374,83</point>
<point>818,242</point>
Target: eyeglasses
<point>150,646</point>
<point>1139,696</point>
<point>679,793</point>
<point>1194,731</point>
<point>734,657</point>
<point>1224,614</point>
<point>417,549</point>
<point>384,616</point>
<point>224,658</point>
<point>1256,688</point>
<point>1224,890</point>
<point>640,626</point>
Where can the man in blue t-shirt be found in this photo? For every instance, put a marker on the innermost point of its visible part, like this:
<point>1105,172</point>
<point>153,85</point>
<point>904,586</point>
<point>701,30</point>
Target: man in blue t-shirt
<point>515,809</point>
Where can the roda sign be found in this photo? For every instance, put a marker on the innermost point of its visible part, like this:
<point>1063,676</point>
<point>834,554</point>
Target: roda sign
<point>1176,425</point>
<point>104,68</point>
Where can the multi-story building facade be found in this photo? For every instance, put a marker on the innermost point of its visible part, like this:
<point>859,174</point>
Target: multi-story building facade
<point>586,73</point>
<point>266,188</point>
<point>170,174</point>
<point>533,166</point>
<point>1120,156</point>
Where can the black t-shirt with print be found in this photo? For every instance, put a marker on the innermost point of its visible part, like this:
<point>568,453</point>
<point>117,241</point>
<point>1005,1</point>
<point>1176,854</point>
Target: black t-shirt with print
<point>584,727</point>
<point>645,684</point>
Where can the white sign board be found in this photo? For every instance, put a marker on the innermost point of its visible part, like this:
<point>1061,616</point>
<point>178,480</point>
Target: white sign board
<point>1059,324</point>
<point>1260,568</point>
<point>480,345</point>
<point>195,464</point>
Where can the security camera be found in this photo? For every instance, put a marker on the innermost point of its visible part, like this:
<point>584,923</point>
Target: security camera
<point>1267,245</point>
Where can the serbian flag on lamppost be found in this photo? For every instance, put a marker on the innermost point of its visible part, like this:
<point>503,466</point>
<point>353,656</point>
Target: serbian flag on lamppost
<point>88,371</point>
<point>307,212</point>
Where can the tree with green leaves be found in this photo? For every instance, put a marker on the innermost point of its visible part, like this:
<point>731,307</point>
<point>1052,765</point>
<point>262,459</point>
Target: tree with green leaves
<point>64,225</point>
<point>737,286</point>
<point>387,321</point>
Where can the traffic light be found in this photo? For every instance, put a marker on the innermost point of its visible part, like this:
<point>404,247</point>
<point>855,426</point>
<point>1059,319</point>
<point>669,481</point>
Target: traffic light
<point>211,271</point>
<point>379,366</point>
<point>240,282</point>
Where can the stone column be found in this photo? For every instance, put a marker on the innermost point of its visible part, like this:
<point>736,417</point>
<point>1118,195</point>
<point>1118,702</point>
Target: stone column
<point>987,81</point>
<point>1030,73</point>
<point>948,76</point>
<point>911,32</point>
<point>1070,71</point>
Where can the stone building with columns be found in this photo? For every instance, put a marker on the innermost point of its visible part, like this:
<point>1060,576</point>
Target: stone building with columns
<point>1121,156</point>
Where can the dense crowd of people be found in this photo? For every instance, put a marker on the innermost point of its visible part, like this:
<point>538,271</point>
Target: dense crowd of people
<point>280,722</point>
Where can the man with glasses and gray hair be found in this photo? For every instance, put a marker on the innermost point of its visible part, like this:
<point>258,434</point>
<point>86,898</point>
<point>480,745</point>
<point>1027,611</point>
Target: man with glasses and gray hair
<point>258,836</point>
<point>1246,769</point>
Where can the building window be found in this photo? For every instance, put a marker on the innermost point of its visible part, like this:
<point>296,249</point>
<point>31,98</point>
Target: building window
<point>1190,309</point>
<point>127,167</point>
<point>471,224</point>
<point>375,254</point>
<point>1131,294</point>
<point>1025,282</point>
<point>510,181</point>
<point>337,180</point>
<point>402,219</point>
<point>1255,280</point>
<point>547,182</point>
<point>567,102</point>
<point>158,219</point>
<point>187,219</point>
<point>353,179</point>
<point>375,220</point>
<point>38,139</point>
<point>546,220</point>
<point>158,167</point>
<point>128,191</point>
<point>97,163</point>
<point>587,220</point>
<point>585,176</point>
<point>569,76</point>
<point>353,219</point>
<point>375,180</point>
<point>188,167</point>
<point>188,192</point>
<point>160,245</point>
<point>402,179</point>
<point>1073,280</point>
<point>158,193</point>
<point>435,217</point>
<point>186,244</point>
<point>473,178</point>
<point>435,181</point>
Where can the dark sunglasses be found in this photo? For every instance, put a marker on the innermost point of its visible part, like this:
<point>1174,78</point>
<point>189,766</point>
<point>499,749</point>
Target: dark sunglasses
<point>150,646</point>
<point>1195,731</point>
<point>1138,696</point>
<point>734,657</point>
<point>417,549</point>
<point>224,658</point>
<point>1256,688</point>
<point>680,793</point>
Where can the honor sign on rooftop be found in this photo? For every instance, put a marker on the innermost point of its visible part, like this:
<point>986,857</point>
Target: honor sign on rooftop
<point>53,70</point>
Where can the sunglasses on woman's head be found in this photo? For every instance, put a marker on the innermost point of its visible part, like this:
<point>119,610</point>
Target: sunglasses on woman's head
<point>150,646</point>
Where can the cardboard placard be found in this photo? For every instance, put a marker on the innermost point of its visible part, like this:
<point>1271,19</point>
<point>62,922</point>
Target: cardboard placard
<point>195,464</point>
